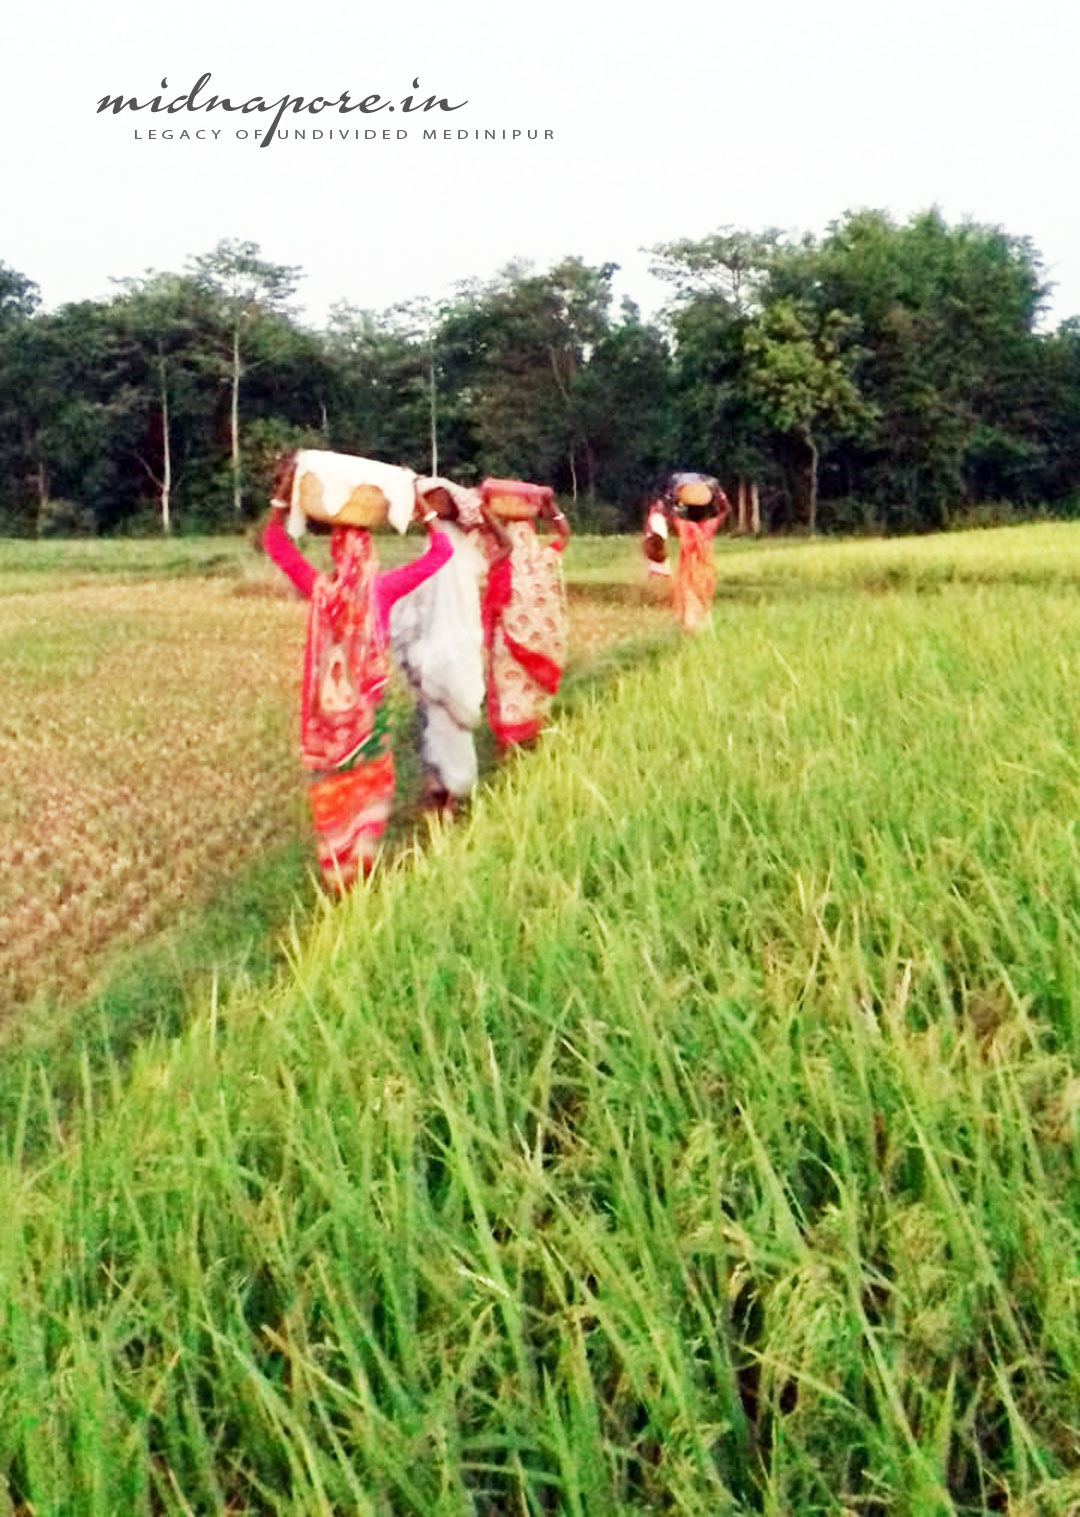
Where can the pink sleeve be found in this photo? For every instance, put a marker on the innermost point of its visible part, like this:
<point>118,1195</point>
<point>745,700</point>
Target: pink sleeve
<point>280,547</point>
<point>392,584</point>
<point>711,526</point>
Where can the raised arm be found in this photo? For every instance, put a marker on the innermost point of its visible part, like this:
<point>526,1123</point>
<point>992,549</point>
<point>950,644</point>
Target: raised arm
<point>723,511</point>
<point>504,545</point>
<point>550,512</point>
<point>392,584</point>
<point>280,547</point>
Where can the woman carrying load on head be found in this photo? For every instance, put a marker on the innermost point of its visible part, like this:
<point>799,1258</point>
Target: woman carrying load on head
<point>437,638</point>
<point>344,742</point>
<point>696,507</point>
<point>524,612</point>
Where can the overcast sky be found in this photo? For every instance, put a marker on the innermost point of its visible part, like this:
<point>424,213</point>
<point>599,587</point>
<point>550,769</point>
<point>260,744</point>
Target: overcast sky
<point>669,120</point>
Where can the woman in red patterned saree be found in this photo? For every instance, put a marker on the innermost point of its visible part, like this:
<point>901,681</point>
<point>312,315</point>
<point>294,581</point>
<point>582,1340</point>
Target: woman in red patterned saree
<point>344,742</point>
<point>524,613</point>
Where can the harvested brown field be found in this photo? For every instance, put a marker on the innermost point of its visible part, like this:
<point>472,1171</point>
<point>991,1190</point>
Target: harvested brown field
<point>147,740</point>
<point>146,750</point>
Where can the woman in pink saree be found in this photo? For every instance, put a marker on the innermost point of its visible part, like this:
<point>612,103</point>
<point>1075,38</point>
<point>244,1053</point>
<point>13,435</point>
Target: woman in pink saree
<point>344,737</point>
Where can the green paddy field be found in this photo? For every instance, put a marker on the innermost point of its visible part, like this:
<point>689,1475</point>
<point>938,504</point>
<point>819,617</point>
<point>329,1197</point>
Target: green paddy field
<point>693,1129</point>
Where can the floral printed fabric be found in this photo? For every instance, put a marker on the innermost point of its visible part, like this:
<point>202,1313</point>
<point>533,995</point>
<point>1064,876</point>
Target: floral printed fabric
<point>350,809</point>
<point>524,635</point>
<point>343,736</point>
<point>345,665</point>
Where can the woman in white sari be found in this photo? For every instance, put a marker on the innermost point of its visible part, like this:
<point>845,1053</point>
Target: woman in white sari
<point>437,638</point>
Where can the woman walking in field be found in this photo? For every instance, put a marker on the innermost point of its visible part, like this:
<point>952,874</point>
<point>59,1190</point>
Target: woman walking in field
<point>696,507</point>
<point>524,612</point>
<point>344,742</point>
<point>437,637</point>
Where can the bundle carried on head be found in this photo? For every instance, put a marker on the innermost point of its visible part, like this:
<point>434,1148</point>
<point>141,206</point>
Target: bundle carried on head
<point>345,490</point>
<point>695,497</point>
<point>515,499</point>
<point>466,501</point>
<point>695,492</point>
<point>693,489</point>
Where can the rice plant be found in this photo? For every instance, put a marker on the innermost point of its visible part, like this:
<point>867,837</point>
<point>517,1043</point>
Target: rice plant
<point>694,1129</point>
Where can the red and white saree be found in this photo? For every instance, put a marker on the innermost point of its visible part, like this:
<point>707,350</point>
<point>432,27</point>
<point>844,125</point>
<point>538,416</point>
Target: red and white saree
<point>525,637</point>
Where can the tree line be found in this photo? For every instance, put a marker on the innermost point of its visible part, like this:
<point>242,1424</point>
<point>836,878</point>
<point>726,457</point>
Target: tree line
<point>883,376</point>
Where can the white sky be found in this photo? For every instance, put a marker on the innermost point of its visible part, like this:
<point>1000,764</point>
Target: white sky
<point>670,119</point>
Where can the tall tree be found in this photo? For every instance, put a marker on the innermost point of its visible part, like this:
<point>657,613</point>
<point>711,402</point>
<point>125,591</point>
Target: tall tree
<point>517,349</point>
<point>78,414</point>
<point>19,299</point>
<point>729,266</point>
<point>627,412</point>
<point>718,285</point>
<point>946,317</point>
<point>801,375</point>
<point>171,319</point>
<point>390,398</point>
<point>19,296</point>
<point>249,290</point>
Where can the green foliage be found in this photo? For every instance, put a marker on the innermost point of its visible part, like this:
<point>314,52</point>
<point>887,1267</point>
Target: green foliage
<point>19,296</point>
<point>628,417</point>
<point>263,442</point>
<point>953,382</point>
<point>729,267</point>
<point>243,281</point>
<point>383,370</point>
<point>251,298</point>
<point>519,346</point>
<point>947,320</point>
<point>800,377</point>
<point>65,518</point>
<point>897,365</point>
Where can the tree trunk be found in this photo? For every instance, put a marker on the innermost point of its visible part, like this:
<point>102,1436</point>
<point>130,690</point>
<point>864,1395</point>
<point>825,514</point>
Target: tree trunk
<point>573,475</point>
<point>166,450</point>
<point>434,422</point>
<point>740,506</point>
<point>41,479</point>
<point>812,515</point>
<point>238,501</point>
<point>755,509</point>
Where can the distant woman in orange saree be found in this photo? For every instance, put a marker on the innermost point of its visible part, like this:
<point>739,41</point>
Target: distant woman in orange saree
<point>524,613</point>
<point>696,507</point>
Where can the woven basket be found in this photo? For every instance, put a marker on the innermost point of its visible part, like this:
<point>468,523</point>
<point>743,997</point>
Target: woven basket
<point>697,493</point>
<point>367,506</point>
<point>513,507</point>
<point>515,499</point>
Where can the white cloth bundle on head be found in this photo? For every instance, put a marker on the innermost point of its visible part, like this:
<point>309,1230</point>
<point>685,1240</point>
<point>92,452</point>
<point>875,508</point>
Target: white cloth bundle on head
<point>467,501</point>
<point>339,474</point>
